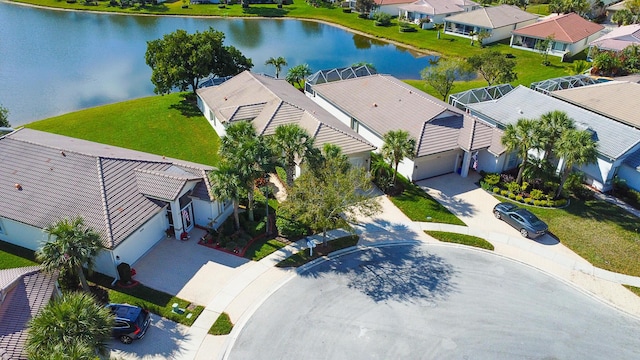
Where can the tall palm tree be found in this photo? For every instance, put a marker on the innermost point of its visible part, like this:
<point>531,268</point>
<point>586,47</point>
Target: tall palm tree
<point>297,74</point>
<point>290,141</point>
<point>278,63</point>
<point>552,125</point>
<point>226,184</point>
<point>575,147</point>
<point>73,245</point>
<point>248,153</point>
<point>74,326</point>
<point>398,144</point>
<point>521,138</point>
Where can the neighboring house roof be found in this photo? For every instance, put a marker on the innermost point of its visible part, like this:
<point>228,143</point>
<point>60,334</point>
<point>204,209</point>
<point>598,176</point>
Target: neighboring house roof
<point>383,103</point>
<point>619,38</point>
<point>23,292</point>
<point>614,138</point>
<point>567,28</point>
<point>392,2</point>
<point>438,7</point>
<point>269,102</point>
<point>617,6</point>
<point>115,190</point>
<point>633,160</point>
<point>492,17</point>
<point>613,99</point>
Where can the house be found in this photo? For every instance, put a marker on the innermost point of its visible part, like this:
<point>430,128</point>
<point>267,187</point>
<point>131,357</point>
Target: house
<point>269,103</point>
<point>616,141</point>
<point>435,10</point>
<point>391,7</point>
<point>23,292</point>
<point>448,140</point>
<point>612,8</point>
<point>613,100</point>
<point>618,39</point>
<point>498,21</point>
<point>569,34</point>
<point>132,199</point>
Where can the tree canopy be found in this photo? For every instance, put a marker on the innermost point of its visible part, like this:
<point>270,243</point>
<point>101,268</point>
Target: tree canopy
<point>4,117</point>
<point>71,244</point>
<point>180,60</point>
<point>521,138</point>
<point>442,74</point>
<point>291,142</point>
<point>494,67</point>
<point>575,147</point>
<point>297,74</point>
<point>397,145</point>
<point>278,63</point>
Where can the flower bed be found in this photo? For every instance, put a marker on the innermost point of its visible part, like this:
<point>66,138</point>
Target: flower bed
<point>535,193</point>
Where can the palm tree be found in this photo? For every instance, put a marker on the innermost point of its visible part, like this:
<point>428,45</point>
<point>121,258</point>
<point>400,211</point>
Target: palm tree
<point>248,154</point>
<point>278,62</point>
<point>398,144</point>
<point>521,138</point>
<point>226,184</point>
<point>575,147</point>
<point>552,125</point>
<point>73,245</point>
<point>291,141</point>
<point>297,74</point>
<point>74,326</point>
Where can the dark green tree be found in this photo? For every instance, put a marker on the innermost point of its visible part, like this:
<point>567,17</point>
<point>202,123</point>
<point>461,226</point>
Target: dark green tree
<point>398,144</point>
<point>297,74</point>
<point>4,117</point>
<point>442,74</point>
<point>521,138</point>
<point>364,7</point>
<point>290,143</point>
<point>494,67</point>
<point>180,60</point>
<point>226,184</point>
<point>278,63</point>
<point>575,147</point>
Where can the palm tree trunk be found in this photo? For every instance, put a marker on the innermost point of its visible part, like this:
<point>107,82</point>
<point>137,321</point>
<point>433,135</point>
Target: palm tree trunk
<point>520,171</point>
<point>83,279</point>
<point>250,202</point>
<point>563,179</point>
<point>236,216</point>
<point>395,173</point>
<point>291,168</point>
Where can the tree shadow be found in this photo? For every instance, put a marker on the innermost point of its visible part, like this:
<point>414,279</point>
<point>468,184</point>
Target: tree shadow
<point>404,273</point>
<point>187,108</point>
<point>602,211</point>
<point>265,11</point>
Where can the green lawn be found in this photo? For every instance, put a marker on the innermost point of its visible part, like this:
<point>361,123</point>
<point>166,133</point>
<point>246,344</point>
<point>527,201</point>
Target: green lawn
<point>600,232</point>
<point>222,325</point>
<point>261,249</point>
<point>165,125</point>
<point>461,239</point>
<point>12,256</point>
<point>302,257</point>
<point>419,206</point>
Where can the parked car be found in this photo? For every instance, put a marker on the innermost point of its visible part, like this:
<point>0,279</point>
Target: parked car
<point>131,322</point>
<point>522,219</point>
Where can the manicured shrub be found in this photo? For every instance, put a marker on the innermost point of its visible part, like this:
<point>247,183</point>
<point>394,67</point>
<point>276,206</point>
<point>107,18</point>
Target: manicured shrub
<point>538,202</point>
<point>492,179</point>
<point>496,190</point>
<point>528,200</point>
<point>512,196</point>
<point>514,187</point>
<point>536,194</point>
<point>519,198</point>
<point>381,19</point>
<point>504,192</point>
<point>288,226</point>
<point>560,202</point>
<point>525,186</point>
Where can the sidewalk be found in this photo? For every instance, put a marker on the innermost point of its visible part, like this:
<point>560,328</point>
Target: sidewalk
<point>244,293</point>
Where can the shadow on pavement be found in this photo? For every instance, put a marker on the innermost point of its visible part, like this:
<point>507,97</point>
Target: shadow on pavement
<point>404,273</point>
<point>548,239</point>
<point>163,340</point>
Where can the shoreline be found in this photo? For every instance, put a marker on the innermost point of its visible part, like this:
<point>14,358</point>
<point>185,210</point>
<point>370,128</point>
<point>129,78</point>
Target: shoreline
<point>420,52</point>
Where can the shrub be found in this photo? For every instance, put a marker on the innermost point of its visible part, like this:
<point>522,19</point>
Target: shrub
<point>536,194</point>
<point>288,225</point>
<point>492,179</point>
<point>513,187</point>
<point>512,196</point>
<point>381,19</point>
<point>507,178</point>
<point>560,202</point>
<point>485,186</point>
<point>519,198</point>
<point>404,27</point>
<point>348,11</point>
<point>524,186</point>
<point>504,192</point>
<point>537,202</point>
<point>528,200</point>
<point>496,190</point>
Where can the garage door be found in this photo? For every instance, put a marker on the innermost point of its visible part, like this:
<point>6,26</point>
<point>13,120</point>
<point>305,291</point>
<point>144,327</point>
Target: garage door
<point>434,165</point>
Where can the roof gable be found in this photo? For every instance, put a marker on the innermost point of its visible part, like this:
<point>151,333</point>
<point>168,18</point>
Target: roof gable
<point>567,28</point>
<point>438,7</point>
<point>619,38</point>
<point>492,17</point>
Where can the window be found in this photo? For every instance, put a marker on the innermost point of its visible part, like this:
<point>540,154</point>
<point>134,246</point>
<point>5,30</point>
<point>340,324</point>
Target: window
<point>355,125</point>
<point>1,228</point>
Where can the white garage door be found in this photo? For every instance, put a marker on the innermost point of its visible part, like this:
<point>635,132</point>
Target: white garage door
<point>434,165</point>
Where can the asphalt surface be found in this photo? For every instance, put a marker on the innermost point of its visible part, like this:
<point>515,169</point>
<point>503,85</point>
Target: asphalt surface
<point>433,302</point>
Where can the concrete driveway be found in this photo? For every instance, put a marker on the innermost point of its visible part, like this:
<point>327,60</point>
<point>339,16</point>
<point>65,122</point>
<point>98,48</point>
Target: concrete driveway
<point>433,302</point>
<point>162,341</point>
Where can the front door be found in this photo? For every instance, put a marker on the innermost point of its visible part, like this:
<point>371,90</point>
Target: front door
<point>187,217</point>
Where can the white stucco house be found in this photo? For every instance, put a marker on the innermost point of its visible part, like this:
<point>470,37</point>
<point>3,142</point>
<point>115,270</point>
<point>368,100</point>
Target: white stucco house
<point>268,103</point>
<point>499,21</point>
<point>569,35</point>
<point>129,197</point>
<point>435,10</point>
<point>618,143</point>
<point>448,140</point>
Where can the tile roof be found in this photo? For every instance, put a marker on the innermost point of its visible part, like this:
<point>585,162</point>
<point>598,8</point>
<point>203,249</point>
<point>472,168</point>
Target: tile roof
<point>383,103</point>
<point>391,2</point>
<point>62,177</point>
<point>619,38</point>
<point>567,28</point>
<point>614,99</point>
<point>438,7</point>
<point>633,160</point>
<point>492,17</point>
<point>270,102</point>
<point>26,291</point>
<point>614,138</point>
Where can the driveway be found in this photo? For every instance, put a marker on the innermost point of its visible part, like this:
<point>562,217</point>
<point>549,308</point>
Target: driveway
<point>433,302</point>
<point>162,341</point>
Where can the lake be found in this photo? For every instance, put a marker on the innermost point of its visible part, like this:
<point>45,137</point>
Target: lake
<point>53,62</point>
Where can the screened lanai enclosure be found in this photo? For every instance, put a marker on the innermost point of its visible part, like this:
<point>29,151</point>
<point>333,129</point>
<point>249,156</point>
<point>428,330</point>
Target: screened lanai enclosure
<point>565,82</point>
<point>336,74</point>
<point>462,99</point>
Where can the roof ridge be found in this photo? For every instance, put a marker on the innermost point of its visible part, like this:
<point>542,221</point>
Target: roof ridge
<point>105,203</point>
<point>560,26</point>
<point>162,174</point>
<point>362,140</point>
<point>488,17</point>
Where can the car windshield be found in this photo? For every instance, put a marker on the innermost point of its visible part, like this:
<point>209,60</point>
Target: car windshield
<point>140,319</point>
<point>532,219</point>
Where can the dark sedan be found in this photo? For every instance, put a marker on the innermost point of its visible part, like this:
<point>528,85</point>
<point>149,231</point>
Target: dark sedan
<point>522,219</point>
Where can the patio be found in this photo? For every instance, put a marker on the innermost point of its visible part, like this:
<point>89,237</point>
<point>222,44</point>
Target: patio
<point>182,268</point>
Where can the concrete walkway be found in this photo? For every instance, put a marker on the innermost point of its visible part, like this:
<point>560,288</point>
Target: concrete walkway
<point>243,293</point>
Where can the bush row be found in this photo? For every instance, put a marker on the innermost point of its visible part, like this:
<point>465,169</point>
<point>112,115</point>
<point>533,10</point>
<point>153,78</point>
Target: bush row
<point>530,200</point>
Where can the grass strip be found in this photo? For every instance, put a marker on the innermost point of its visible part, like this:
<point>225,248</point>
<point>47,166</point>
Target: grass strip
<point>13,256</point>
<point>419,206</point>
<point>302,257</point>
<point>222,325</point>
<point>463,239</point>
<point>633,289</point>
<point>261,249</point>
<point>156,301</point>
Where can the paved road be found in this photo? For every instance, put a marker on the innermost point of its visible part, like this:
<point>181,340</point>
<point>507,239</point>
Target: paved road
<point>433,302</point>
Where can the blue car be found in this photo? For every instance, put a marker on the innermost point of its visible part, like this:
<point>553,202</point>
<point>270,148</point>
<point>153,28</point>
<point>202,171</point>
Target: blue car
<point>131,322</point>
<point>521,219</point>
